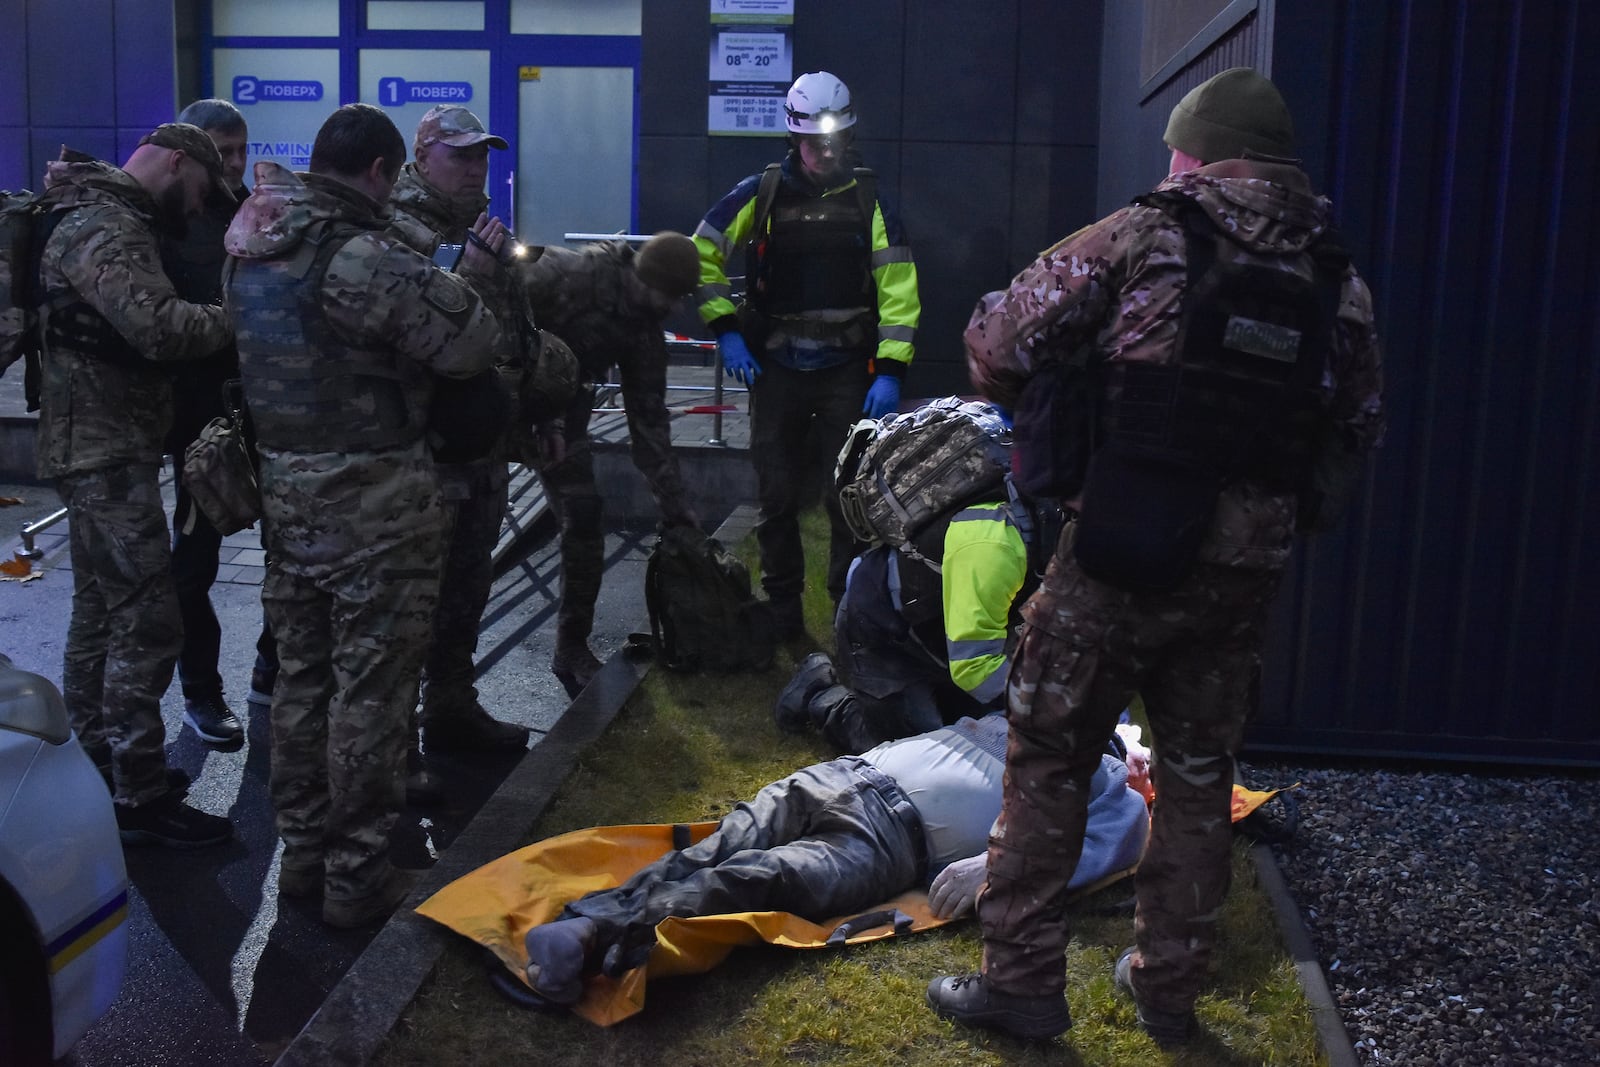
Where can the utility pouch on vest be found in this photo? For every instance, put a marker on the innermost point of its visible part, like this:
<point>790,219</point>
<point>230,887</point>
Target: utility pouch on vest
<point>1052,434</point>
<point>218,472</point>
<point>467,417</point>
<point>1145,515</point>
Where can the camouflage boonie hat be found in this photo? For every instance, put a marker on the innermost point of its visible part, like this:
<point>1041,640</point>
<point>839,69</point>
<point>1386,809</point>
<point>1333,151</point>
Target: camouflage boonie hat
<point>195,143</point>
<point>455,126</point>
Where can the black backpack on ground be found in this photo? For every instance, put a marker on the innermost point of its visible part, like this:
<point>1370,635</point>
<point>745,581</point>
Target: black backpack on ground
<point>702,614</point>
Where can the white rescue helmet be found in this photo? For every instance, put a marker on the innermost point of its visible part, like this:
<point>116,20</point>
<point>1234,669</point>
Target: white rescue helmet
<point>818,103</point>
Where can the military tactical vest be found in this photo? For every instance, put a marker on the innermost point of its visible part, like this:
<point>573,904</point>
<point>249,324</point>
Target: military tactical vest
<point>813,253</point>
<point>307,388</point>
<point>1244,396</point>
<point>1242,400</point>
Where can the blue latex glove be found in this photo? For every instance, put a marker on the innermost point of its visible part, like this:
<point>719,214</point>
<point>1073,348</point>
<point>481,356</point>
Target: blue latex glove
<point>737,361</point>
<point>882,398</point>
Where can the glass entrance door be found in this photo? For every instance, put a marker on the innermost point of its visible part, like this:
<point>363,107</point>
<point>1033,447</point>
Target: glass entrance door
<point>575,151</point>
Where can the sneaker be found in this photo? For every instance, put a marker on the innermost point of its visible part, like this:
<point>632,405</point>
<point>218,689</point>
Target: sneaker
<point>792,712</point>
<point>263,680</point>
<point>557,952</point>
<point>1167,1028</point>
<point>968,999</point>
<point>466,727</point>
<point>352,913</point>
<point>168,821</point>
<point>574,667</point>
<point>213,720</point>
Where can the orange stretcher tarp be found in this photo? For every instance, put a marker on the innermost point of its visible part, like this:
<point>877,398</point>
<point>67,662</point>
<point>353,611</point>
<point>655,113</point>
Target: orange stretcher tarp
<point>497,904</point>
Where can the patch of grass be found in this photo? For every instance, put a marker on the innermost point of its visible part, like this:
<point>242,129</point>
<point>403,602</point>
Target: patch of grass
<point>688,747</point>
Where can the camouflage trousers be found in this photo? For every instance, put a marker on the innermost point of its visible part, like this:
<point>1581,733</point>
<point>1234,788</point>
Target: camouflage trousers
<point>351,600</point>
<point>798,421</point>
<point>125,631</point>
<point>1193,654</point>
<point>475,500</point>
<point>575,498</point>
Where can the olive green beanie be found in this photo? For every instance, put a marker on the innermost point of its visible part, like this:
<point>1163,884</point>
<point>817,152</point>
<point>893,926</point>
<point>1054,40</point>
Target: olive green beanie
<point>1231,113</point>
<point>669,263</point>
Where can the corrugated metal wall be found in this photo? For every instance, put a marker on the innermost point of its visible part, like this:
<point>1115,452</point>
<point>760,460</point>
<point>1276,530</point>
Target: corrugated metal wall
<point>1457,613</point>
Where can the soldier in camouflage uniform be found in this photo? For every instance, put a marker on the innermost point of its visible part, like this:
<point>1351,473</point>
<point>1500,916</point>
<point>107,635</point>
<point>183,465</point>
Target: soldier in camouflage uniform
<point>341,329</point>
<point>1194,650</point>
<point>437,200</point>
<point>607,301</point>
<point>105,406</point>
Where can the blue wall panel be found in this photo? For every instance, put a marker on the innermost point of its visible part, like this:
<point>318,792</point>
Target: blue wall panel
<point>146,64</point>
<point>71,53</point>
<point>1458,141</point>
<point>14,157</point>
<point>98,75</point>
<point>16,161</point>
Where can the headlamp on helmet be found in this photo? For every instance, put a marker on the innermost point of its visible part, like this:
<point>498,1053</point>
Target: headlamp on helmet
<point>818,103</point>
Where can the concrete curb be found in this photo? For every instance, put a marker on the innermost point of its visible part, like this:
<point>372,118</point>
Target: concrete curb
<point>1331,1034</point>
<point>364,1006</point>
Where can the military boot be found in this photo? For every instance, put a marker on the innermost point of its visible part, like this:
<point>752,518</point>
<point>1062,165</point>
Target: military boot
<point>793,710</point>
<point>352,913</point>
<point>459,724</point>
<point>574,666</point>
<point>970,999</point>
<point>1166,1027</point>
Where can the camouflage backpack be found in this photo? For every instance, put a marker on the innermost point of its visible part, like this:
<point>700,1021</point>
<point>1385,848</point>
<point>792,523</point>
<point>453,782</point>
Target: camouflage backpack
<point>898,474</point>
<point>702,614</point>
<point>23,231</point>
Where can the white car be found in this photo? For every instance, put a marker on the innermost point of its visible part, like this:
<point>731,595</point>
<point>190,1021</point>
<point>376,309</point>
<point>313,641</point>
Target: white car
<point>63,886</point>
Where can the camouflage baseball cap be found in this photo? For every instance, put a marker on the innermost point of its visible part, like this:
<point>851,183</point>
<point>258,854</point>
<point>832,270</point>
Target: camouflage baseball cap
<point>455,126</point>
<point>195,143</point>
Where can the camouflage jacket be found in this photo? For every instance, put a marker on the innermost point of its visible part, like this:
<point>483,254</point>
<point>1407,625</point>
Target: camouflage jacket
<point>424,218</point>
<point>376,293</point>
<point>105,252</point>
<point>592,300</point>
<point>1117,285</point>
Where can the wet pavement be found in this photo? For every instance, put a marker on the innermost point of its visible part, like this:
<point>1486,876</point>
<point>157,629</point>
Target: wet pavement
<point>220,970</point>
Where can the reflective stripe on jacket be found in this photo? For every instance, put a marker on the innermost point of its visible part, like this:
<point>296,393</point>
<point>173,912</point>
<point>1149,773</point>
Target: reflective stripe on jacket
<point>985,565</point>
<point>726,227</point>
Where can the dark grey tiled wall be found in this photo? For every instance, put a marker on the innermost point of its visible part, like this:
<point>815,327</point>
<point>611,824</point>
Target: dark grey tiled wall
<point>979,119</point>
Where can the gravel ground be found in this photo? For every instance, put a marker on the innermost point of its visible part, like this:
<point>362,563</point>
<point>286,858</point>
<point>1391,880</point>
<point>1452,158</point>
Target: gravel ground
<point>1457,916</point>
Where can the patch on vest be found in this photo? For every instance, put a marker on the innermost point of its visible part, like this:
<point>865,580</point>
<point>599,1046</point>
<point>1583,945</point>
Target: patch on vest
<point>446,292</point>
<point>1266,339</point>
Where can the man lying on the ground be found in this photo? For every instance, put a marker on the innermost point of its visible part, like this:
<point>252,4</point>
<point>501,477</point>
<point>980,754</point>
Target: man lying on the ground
<point>831,839</point>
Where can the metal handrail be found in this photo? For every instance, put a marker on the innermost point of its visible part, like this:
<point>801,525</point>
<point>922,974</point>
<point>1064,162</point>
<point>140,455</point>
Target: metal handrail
<point>695,344</point>
<point>28,549</point>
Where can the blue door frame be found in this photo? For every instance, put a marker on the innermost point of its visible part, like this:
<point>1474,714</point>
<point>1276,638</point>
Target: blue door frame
<point>508,53</point>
